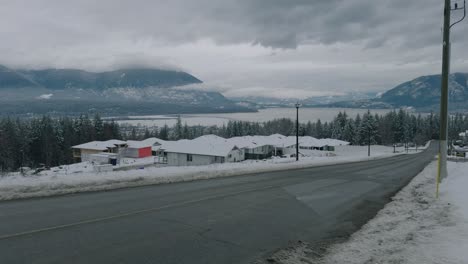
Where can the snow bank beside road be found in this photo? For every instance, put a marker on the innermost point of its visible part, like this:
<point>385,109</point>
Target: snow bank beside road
<point>414,228</point>
<point>14,187</point>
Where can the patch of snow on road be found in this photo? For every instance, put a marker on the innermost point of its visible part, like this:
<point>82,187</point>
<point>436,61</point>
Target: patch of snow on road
<point>414,228</point>
<point>74,179</point>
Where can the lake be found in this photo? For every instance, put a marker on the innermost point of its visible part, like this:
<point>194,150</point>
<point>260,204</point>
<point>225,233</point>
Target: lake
<point>305,115</point>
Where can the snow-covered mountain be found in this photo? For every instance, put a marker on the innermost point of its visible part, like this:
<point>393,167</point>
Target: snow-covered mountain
<point>425,91</point>
<point>125,91</point>
<point>58,79</point>
<point>422,93</point>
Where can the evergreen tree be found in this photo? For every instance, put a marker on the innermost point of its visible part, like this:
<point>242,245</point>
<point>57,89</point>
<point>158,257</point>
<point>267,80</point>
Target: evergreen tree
<point>98,127</point>
<point>368,130</point>
<point>178,129</point>
<point>164,132</point>
<point>349,133</point>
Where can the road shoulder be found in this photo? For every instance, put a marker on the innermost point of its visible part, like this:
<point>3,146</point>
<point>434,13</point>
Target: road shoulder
<point>415,227</point>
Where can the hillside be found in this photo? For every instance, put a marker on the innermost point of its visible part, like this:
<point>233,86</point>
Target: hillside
<point>56,79</point>
<point>425,91</point>
<point>422,93</point>
<point>125,91</point>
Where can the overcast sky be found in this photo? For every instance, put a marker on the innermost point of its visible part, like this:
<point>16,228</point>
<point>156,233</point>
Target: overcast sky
<point>289,48</point>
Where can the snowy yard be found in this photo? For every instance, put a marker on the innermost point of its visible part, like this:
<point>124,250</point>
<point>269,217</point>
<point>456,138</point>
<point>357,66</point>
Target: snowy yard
<point>414,228</point>
<point>80,179</point>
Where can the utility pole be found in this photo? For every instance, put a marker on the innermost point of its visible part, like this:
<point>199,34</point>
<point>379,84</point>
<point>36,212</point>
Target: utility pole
<point>297,130</point>
<point>442,168</point>
<point>368,141</point>
<point>368,124</point>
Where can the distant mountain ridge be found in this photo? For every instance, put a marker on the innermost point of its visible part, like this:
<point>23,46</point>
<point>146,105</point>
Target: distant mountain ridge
<point>124,91</point>
<point>56,79</point>
<point>422,93</point>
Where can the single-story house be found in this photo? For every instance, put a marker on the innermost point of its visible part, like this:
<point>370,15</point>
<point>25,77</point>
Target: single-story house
<point>202,151</point>
<point>311,143</point>
<point>137,149</point>
<point>82,152</point>
<point>262,147</point>
<point>156,146</point>
<point>253,148</point>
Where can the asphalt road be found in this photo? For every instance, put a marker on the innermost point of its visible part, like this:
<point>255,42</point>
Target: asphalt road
<point>230,220</point>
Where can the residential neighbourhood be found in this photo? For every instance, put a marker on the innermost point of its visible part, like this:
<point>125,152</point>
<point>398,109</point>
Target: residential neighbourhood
<point>243,132</point>
<point>203,150</point>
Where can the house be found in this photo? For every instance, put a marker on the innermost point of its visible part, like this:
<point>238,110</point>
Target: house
<point>137,149</point>
<point>254,148</point>
<point>262,147</point>
<point>82,152</point>
<point>156,146</point>
<point>202,151</point>
<point>311,143</point>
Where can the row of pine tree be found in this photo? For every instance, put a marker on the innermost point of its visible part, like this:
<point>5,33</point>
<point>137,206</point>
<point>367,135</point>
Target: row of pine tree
<point>393,127</point>
<point>48,141</point>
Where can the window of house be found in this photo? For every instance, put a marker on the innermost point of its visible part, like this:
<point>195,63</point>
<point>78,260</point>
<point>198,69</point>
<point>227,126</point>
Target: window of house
<point>189,157</point>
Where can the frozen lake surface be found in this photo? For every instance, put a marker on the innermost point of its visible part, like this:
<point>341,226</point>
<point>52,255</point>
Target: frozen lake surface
<point>305,115</point>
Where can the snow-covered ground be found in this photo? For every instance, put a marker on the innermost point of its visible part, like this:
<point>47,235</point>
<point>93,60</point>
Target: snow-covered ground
<point>75,179</point>
<point>414,228</point>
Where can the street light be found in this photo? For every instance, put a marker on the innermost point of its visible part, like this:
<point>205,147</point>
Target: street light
<point>297,130</point>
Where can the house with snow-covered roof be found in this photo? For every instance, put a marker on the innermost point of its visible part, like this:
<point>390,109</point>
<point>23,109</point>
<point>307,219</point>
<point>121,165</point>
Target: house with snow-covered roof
<point>137,149</point>
<point>84,151</point>
<point>262,147</point>
<point>201,151</point>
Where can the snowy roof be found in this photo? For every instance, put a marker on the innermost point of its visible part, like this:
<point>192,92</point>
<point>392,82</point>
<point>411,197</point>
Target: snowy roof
<point>154,141</point>
<point>115,142</point>
<point>334,142</point>
<point>209,145</point>
<point>218,146</point>
<point>275,140</point>
<point>138,144</point>
<point>279,140</point>
<point>308,141</point>
<point>100,145</point>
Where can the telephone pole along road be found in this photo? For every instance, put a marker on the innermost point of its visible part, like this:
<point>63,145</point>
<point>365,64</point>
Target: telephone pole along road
<point>227,220</point>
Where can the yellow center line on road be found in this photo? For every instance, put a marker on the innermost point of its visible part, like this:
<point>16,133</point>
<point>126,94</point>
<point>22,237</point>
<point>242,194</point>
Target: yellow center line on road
<point>100,219</point>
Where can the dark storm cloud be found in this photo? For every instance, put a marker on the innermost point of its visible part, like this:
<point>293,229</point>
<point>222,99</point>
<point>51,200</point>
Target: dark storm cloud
<point>273,23</point>
<point>280,44</point>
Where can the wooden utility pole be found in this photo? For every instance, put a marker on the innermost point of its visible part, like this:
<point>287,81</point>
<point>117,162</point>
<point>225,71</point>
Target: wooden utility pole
<point>442,173</point>
<point>297,131</point>
<point>442,168</point>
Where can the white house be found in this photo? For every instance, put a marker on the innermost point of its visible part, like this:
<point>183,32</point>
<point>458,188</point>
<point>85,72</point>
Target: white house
<point>262,147</point>
<point>156,145</point>
<point>137,149</point>
<point>82,152</point>
<point>201,151</point>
